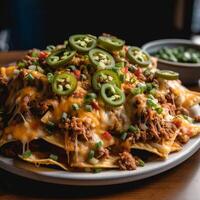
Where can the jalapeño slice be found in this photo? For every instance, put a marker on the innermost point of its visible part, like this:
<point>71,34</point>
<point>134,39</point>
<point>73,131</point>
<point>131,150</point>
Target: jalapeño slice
<point>60,57</point>
<point>110,43</point>
<point>82,43</point>
<point>112,95</point>
<point>139,57</point>
<point>101,59</point>
<point>105,76</point>
<point>64,84</point>
<point>167,74</point>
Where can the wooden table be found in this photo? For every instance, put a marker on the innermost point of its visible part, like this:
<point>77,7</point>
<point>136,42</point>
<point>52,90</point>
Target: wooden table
<point>179,183</point>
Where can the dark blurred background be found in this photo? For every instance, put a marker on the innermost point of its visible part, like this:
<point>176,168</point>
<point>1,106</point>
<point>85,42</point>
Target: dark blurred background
<point>25,24</point>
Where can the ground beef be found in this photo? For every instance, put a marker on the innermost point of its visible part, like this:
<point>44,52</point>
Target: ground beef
<point>80,127</point>
<point>182,111</point>
<point>197,118</point>
<point>102,153</point>
<point>3,81</point>
<point>24,103</point>
<point>41,107</point>
<point>126,161</point>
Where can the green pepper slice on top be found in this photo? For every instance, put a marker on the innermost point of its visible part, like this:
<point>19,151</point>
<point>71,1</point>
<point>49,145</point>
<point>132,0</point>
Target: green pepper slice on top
<point>60,57</point>
<point>139,57</point>
<point>110,43</point>
<point>105,76</point>
<point>82,43</point>
<point>112,95</point>
<point>64,84</point>
<point>167,74</point>
<point>101,59</point>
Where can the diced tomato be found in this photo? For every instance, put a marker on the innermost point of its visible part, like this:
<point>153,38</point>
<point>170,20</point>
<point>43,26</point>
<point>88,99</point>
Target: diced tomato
<point>138,72</point>
<point>177,123</point>
<point>126,69</point>
<point>106,135</point>
<point>43,55</point>
<point>126,48</point>
<point>95,105</point>
<point>77,73</point>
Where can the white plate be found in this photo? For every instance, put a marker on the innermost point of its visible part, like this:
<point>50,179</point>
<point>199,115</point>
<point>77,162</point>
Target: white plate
<point>103,178</point>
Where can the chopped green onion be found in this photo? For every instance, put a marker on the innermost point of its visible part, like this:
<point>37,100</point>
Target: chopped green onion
<point>29,77</point>
<point>53,157</point>
<point>72,67</point>
<point>159,110</point>
<point>151,103</point>
<point>119,65</point>
<point>98,145</point>
<point>91,154</point>
<point>88,108</point>
<point>21,64</point>
<point>89,97</point>
<point>50,77</point>
<point>122,78</point>
<point>32,67</point>
<point>27,154</point>
<point>124,135</point>
<point>133,129</point>
<point>150,96</point>
<point>152,92</point>
<point>149,87</point>
<point>64,117</point>
<point>141,163</point>
<point>97,170</point>
<point>75,106</point>
<point>34,54</point>
<point>39,69</point>
<point>136,91</point>
<point>189,119</point>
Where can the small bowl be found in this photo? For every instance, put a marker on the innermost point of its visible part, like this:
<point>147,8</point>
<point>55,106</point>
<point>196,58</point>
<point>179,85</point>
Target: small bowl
<point>189,72</point>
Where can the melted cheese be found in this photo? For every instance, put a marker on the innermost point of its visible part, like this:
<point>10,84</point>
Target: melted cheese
<point>24,132</point>
<point>186,98</point>
<point>65,104</point>
<point>7,72</point>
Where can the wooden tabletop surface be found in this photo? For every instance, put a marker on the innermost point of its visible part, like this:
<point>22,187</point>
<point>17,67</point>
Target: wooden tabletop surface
<point>179,183</point>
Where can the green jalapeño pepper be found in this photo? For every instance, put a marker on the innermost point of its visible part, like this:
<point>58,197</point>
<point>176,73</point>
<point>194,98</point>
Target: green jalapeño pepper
<point>64,84</point>
<point>101,59</point>
<point>112,95</point>
<point>60,57</point>
<point>82,43</point>
<point>105,76</point>
<point>139,57</point>
<point>110,43</point>
<point>167,74</point>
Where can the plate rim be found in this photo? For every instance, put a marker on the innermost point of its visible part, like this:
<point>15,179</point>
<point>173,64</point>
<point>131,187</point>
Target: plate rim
<point>110,177</point>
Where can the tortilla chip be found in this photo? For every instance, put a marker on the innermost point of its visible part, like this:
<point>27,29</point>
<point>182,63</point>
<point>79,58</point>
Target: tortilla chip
<point>106,163</point>
<point>187,98</point>
<point>34,158</point>
<point>163,149</point>
<point>195,130</point>
<point>56,139</point>
<point>4,140</point>
<point>175,147</point>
